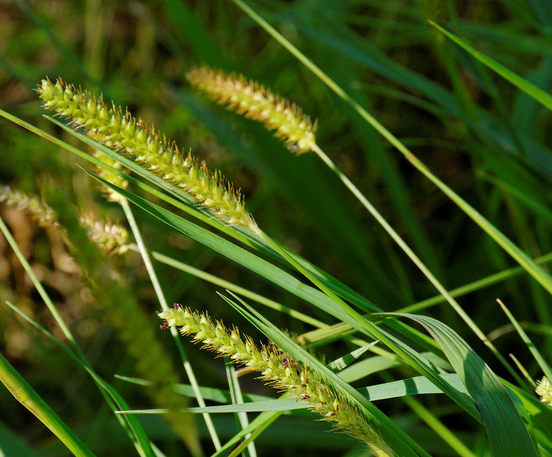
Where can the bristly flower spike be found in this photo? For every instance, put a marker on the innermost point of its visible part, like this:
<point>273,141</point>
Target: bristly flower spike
<point>32,205</point>
<point>109,126</point>
<point>277,369</point>
<point>112,238</point>
<point>544,391</point>
<point>254,101</point>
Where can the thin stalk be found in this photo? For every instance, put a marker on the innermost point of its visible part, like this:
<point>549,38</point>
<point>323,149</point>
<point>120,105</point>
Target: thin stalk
<point>163,302</point>
<point>514,251</point>
<point>438,427</point>
<point>237,399</point>
<point>130,425</point>
<point>417,261</point>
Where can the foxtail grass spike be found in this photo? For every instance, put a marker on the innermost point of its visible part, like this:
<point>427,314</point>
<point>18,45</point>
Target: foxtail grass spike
<point>544,391</point>
<point>278,370</point>
<point>254,101</point>
<point>111,237</point>
<point>109,126</point>
<point>36,208</point>
<point>119,181</point>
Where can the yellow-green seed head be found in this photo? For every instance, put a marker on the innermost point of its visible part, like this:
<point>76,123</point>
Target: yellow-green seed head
<point>544,390</point>
<point>254,101</point>
<point>111,237</point>
<point>277,369</point>
<point>119,181</point>
<point>32,205</point>
<point>109,126</point>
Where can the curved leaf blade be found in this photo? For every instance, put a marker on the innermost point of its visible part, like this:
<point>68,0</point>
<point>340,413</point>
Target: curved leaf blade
<point>507,434</point>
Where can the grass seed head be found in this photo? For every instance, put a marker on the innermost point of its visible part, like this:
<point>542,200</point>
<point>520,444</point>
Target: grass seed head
<point>32,205</point>
<point>254,101</point>
<point>278,370</point>
<point>544,391</point>
<point>109,126</point>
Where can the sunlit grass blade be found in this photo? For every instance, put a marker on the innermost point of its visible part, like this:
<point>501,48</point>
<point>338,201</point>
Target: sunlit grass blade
<point>27,396</point>
<point>507,434</point>
<point>521,257</point>
<point>394,437</point>
<point>346,360</point>
<point>529,88</point>
<point>543,364</point>
<point>132,427</point>
<point>258,406</point>
<point>163,302</point>
<point>418,385</point>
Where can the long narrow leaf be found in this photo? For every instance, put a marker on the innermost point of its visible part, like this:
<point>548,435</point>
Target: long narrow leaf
<point>508,437</point>
<point>529,88</point>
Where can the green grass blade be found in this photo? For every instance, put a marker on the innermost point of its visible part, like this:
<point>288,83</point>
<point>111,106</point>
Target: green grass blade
<point>391,434</point>
<point>544,366</point>
<point>418,385</point>
<point>529,88</point>
<point>26,395</point>
<point>258,406</point>
<point>346,360</point>
<point>507,434</point>
<point>523,259</point>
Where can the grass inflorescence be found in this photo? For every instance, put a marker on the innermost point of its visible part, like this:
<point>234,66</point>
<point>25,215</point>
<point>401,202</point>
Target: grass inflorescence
<point>109,126</point>
<point>277,369</point>
<point>254,101</point>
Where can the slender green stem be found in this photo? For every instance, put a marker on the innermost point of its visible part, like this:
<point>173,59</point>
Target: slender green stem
<point>237,399</point>
<point>438,427</point>
<point>163,302</point>
<point>417,261</point>
<point>130,425</point>
<point>541,276</point>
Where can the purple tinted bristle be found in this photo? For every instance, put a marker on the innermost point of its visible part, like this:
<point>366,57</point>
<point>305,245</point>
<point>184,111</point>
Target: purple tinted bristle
<point>164,326</point>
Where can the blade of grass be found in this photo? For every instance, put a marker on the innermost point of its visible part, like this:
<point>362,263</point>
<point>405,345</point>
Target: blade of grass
<point>521,257</point>
<point>27,396</point>
<point>507,435</point>
<point>163,302</point>
<point>521,83</point>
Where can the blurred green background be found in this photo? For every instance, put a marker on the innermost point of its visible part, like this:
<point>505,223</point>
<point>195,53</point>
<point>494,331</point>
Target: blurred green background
<point>474,130</point>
